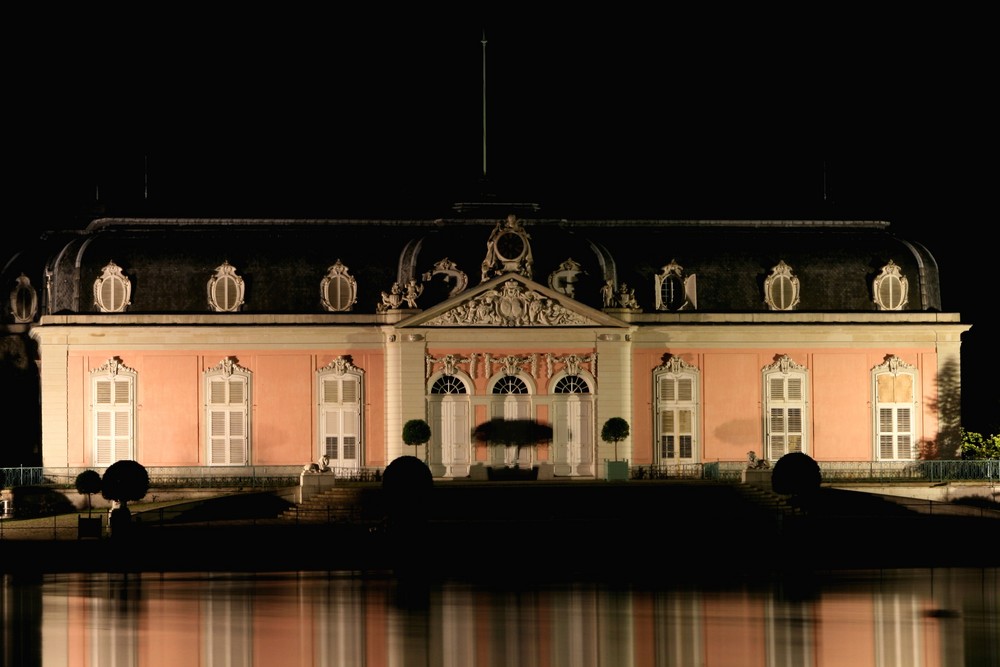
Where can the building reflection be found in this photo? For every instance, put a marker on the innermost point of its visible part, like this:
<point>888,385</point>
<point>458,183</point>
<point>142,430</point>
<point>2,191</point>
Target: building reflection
<point>918,618</point>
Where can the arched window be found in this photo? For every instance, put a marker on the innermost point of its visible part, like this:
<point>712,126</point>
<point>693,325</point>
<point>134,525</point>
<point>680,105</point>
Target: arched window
<point>450,448</point>
<point>573,424</point>
<point>448,384</point>
<point>227,413</point>
<point>510,384</point>
<point>511,400</point>
<point>785,402</point>
<point>341,391</point>
<point>894,389</point>
<point>571,384</point>
<point>113,409</point>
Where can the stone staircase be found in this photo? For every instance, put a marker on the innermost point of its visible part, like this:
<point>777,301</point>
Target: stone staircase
<point>358,504</point>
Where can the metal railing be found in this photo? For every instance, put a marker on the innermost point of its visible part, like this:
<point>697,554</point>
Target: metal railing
<point>20,476</point>
<point>269,477</point>
<point>837,471</point>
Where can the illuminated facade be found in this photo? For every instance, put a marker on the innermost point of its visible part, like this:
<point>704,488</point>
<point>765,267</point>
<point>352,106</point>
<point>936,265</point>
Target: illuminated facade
<point>271,343</point>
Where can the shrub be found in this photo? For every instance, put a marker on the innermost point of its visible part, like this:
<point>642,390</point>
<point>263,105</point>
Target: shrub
<point>976,446</point>
<point>615,430</point>
<point>124,481</point>
<point>797,474</point>
<point>88,482</point>
<point>416,432</point>
<point>517,433</point>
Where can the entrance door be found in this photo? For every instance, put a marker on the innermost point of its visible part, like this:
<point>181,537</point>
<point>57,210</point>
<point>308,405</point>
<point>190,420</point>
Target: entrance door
<point>573,427</point>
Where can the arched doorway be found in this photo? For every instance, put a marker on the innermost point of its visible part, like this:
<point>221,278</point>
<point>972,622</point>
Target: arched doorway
<point>450,445</point>
<point>572,425</point>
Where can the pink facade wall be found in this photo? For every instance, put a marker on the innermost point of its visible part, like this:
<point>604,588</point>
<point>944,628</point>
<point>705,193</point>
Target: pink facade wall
<point>840,420</point>
<point>170,404</point>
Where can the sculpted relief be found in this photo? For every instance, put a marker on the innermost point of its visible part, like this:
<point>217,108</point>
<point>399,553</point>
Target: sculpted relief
<point>510,305</point>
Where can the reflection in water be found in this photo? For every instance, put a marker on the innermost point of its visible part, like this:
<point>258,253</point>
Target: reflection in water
<point>898,618</point>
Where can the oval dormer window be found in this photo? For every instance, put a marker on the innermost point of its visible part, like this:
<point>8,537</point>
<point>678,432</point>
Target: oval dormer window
<point>781,288</point>
<point>113,290</point>
<point>889,288</point>
<point>23,300</point>
<point>225,290</point>
<point>338,290</point>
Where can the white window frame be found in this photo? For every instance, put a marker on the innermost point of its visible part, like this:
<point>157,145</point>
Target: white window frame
<point>338,291</point>
<point>113,290</point>
<point>890,288</point>
<point>23,300</point>
<point>450,413</point>
<point>113,392</point>
<point>342,418</point>
<point>677,388</point>
<point>786,408</point>
<point>227,414</point>
<point>573,422</point>
<point>225,289</point>
<point>674,272</point>
<point>894,417</point>
<point>781,288</point>
<point>505,405</point>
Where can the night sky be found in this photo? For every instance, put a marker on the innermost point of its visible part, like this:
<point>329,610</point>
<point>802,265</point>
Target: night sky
<point>874,117</point>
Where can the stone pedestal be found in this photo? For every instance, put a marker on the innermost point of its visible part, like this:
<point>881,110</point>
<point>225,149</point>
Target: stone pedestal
<point>545,470</point>
<point>311,483</point>
<point>758,477</point>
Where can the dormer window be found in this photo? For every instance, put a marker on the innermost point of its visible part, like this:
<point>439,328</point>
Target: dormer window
<point>23,300</point>
<point>889,288</point>
<point>112,290</point>
<point>674,291</point>
<point>339,289</point>
<point>781,288</point>
<point>225,290</point>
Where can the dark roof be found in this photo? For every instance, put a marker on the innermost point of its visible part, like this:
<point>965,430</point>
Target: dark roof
<point>282,262</point>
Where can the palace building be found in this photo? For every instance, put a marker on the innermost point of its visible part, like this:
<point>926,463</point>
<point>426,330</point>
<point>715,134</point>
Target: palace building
<point>219,344</point>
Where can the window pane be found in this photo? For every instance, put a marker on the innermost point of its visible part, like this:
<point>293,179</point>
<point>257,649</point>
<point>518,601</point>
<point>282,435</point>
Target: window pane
<point>777,389</point>
<point>350,388</point>
<point>687,446</point>
<point>667,389</point>
<point>331,391</point>
<point>103,392</point>
<point>794,389</point>
<point>685,389</point>
<point>903,420</point>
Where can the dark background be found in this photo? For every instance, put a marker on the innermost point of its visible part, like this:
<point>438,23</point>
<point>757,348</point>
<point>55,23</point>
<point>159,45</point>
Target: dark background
<point>832,116</point>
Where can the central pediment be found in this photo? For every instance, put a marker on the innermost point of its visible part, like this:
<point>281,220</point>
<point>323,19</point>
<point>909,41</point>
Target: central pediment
<point>511,300</point>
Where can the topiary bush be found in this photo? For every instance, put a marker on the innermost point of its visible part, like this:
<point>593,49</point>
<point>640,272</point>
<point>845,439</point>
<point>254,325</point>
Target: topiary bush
<point>122,482</point>
<point>796,474</point>
<point>416,432</point>
<point>88,483</point>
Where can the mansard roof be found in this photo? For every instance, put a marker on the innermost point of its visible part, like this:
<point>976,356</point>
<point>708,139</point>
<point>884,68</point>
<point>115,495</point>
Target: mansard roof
<point>283,262</point>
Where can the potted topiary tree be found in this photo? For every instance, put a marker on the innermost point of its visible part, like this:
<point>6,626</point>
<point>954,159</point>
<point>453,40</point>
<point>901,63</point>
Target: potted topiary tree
<point>417,432</point>
<point>122,482</point>
<point>615,430</point>
<point>88,483</point>
<point>516,433</point>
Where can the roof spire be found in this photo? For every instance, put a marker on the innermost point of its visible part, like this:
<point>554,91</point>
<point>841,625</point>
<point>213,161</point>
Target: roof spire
<point>484,102</point>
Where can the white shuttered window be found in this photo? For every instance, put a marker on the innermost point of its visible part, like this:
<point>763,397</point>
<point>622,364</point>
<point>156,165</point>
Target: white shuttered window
<point>113,396</point>
<point>227,393</point>
<point>785,408</point>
